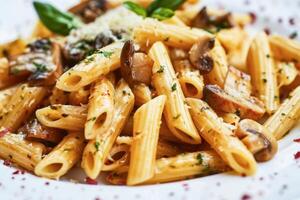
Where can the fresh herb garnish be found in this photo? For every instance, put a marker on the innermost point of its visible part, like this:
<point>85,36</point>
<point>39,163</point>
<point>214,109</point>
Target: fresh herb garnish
<point>161,69</point>
<point>200,158</point>
<point>174,87</point>
<point>106,54</point>
<point>139,10</point>
<point>41,68</point>
<point>293,35</point>
<point>159,9</point>
<point>177,116</point>
<point>97,145</point>
<point>162,13</point>
<point>55,20</point>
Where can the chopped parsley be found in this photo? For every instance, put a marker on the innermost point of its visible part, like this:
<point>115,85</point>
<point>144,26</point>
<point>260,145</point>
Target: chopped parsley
<point>15,71</point>
<point>40,67</point>
<point>97,145</point>
<point>177,116</point>
<point>174,87</point>
<point>89,59</point>
<point>161,69</point>
<point>200,159</point>
<point>106,54</point>
<point>293,35</point>
<point>264,80</point>
<point>92,119</point>
<point>268,56</point>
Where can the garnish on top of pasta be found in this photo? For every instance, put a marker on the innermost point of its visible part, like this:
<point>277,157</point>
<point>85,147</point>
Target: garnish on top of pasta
<point>145,92</point>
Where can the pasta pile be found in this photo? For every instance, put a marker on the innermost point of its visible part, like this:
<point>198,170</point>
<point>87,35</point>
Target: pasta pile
<point>178,93</point>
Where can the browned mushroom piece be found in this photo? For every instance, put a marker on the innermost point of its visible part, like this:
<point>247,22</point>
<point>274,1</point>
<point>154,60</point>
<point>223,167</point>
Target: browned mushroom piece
<point>136,67</point>
<point>89,10</point>
<point>199,55</point>
<point>37,132</point>
<point>41,63</point>
<point>257,139</point>
<point>218,99</point>
<point>212,22</point>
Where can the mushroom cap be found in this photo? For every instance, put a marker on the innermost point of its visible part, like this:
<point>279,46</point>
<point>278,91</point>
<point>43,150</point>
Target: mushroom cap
<point>258,139</point>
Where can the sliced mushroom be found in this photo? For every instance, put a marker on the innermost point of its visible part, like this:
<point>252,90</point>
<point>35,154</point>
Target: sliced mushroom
<point>136,67</point>
<point>258,139</point>
<point>41,62</point>
<point>89,10</point>
<point>213,22</point>
<point>220,100</point>
<point>199,55</point>
<point>36,131</point>
<point>237,83</point>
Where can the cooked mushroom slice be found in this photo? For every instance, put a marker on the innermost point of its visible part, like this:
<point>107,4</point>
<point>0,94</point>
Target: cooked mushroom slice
<point>199,55</point>
<point>213,22</point>
<point>75,52</point>
<point>41,62</point>
<point>220,100</point>
<point>89,10</point>
<point>258,139</point>
<point>36,131</point>
<point>237,83</point>
<point>136,67</point>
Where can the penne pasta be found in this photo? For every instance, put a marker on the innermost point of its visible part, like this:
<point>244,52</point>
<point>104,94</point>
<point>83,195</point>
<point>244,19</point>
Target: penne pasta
<point>263,72</point>
<point>221,139</point>
<point>100,63</point>
<point>142,94</point>
<point>100,109</point>
<point>21,105</point>
<point>62,158</point>
<point>190,80</point>
<point>285,49</point>
<point>286,116</point>
<point>287,73</point>
<point>151,31</point>
<point>145,133</point>
<point>97,150</point>
<point>24,153</point>
<point>65,117</point>
<point>80,96</point>
<point>165,82</point>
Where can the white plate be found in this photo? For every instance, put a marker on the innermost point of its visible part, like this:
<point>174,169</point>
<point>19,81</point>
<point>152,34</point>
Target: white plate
<point>277,179</point>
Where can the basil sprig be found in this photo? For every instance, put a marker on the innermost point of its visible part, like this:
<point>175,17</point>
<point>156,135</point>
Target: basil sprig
<point>159,9</point>
<point>55,20</point>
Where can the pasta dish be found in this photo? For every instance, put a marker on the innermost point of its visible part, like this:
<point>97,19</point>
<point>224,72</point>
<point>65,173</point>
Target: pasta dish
<point>145,92</point>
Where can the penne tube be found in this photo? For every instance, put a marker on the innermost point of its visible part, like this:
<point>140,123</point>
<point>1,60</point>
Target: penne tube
<point>151,31</point>
<point>62,158</point>
<point>180,167</point>
<point>165,82</point>
<point>58,97</point>
<point>5,96</point>
<point>187,165</point>
<point>286,116</point>
<point>21,105</point>
<point>174,21</point>
<point>142,94</point>
<point>263,72</point>
<point>118,157</point>
<point>100,63</point>
<point>285,49</point>
<point>80,96</point>
<point>221,138</point>
<point>65,117</point>
<point>220,65</point>
<point>24,153</point>
<point>145,133</point>
<point>190,80</point>
<point>286,74</point>
<point>100,109</point>
<point>97,150</point>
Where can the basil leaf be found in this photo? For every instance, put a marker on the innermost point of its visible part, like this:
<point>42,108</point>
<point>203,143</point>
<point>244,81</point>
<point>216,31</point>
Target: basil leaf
<point>139,10</point>
<point>55,20</point>
<point>162,13</point>
<point>171,4</point>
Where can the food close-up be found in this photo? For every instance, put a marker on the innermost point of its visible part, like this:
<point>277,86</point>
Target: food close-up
<point>148,92</point>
